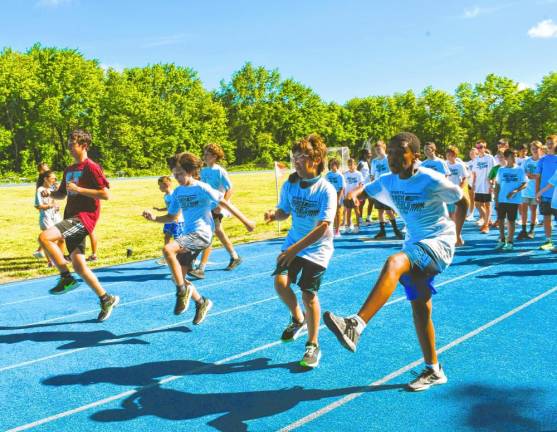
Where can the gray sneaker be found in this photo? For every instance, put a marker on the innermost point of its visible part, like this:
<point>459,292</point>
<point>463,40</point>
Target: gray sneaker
<point>293,331</point>
<point>182,301</point>
<point>197,273</point>
<point>201,311</point>
<point>311,356</point>
<point>107,306</point>
<point>427,378</point>
<point>345,329</point>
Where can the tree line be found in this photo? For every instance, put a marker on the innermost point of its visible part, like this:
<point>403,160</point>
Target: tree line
<point>139,116</point>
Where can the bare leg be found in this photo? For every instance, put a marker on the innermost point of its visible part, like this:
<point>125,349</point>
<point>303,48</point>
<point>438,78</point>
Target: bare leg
<point>50,240</point>
<point>81,268</point>
<point>94,242</point>
<point>170,251</point>
<point>313,314</point>
<point>421,311</point>
<point>282,287</point>
<point>547,226</point>
<point>512,227</point>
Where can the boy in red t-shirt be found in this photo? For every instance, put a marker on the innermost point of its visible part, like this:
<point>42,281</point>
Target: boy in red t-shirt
<point>84,184</point>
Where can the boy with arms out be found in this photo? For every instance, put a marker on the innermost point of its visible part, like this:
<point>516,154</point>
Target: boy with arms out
<point>195,199</point>
<point>419,196</point>
<point>85,185</point>
<point>308,247</point>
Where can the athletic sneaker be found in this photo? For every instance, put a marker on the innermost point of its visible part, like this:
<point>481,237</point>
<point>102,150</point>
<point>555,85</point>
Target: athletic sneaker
<point>201,311</point>
<point>500,245</point>
<point>337,234</point>
<point>522,235</point>
<point>161,261</point>
<point>356,230</point>
<point>470,218</point>
<point>345,329</point>
<point>368,221</point>
<point>508,247</point>
<point>348,229</point>
<point>64,285</point>
<point>399,235</point>
<point>197,273</point>
<point>182,300</point>
<point>234,262</point>
<point>548,245</point>
<point>531,234</point>
<point>293,331</point>
<point>484,229</point>
<point>427,378</point>
<point>381,235</point>
<point>38,254</point>
<point>91,258</point>
<point>311,356</point>
<point>107,306</point>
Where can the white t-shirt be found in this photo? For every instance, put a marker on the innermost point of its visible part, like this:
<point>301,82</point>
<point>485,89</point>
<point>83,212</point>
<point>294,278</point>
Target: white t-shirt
<point>363,167</point>
<point>48,217</point>
<point>196,201</point>
<point>508,180</point>
<point>353,180</point>
<point>481,167</point>
<point>457,172</point>
<point>216,177</point>
<point>436,164</point>
<point>529,166</point>
<point>336,179</point>
<point>421,202</point>
<point>379,167</point>
<point>309,206</point>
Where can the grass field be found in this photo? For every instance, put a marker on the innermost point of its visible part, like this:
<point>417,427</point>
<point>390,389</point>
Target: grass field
<point>121,225</point>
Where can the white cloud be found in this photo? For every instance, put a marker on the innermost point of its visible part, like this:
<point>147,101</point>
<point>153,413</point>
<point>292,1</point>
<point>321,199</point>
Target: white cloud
<point>544,29</point>
<point>473,12</point>
<point>53,3</point>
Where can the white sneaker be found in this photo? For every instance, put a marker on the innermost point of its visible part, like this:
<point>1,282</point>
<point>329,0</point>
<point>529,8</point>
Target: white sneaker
<point>161,261</point>
<point>368,221</point>
<point>427,378</point>
<point>348,229</point>
<point>470,218</point>
<point>38,254</point>
<point>356,230</point>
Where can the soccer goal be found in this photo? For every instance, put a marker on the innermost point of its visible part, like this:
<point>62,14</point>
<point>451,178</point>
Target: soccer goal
<point>340,153</point>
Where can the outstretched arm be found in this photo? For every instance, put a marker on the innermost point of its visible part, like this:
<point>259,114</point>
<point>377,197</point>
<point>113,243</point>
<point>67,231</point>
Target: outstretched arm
<point>250,225</point>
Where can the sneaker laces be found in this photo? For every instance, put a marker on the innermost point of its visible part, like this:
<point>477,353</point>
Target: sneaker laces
<point>310,350</point>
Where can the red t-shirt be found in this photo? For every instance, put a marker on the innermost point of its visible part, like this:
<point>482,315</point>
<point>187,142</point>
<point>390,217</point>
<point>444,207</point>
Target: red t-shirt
<point>88,175</point>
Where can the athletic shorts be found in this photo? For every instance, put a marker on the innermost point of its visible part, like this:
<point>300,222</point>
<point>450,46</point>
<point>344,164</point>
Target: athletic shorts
<point>74,234</point>
<point>451,208</point>
<point>545,208</point>
<point>507,211</point>
<point>425,266</point>
<point>217,216</point>
<point>174,229</point>
<point>192,244</point>
<point>310,279</point>
<point>349,204</point>
<point>379,205</point>
<point>482,197</point>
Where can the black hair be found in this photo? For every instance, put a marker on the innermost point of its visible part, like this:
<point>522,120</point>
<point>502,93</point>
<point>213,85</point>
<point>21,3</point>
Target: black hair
<point>408,138</point>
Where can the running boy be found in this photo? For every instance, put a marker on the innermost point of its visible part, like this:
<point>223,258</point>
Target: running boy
<point>195,199</point>
<point>308,247</point>
<point>509,182</point>
<point>530,165</point>
<point>173,229</point>
<point>353,179</point>
<point>85,185</point>
<point>337,180</point>
<point>419,196</point>
<point>216,177</point>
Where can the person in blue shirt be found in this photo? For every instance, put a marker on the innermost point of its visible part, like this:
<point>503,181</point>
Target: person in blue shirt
<point>335,177</point>
<point>173,229</point>
<point>433,162</point>
<point>547,166</point>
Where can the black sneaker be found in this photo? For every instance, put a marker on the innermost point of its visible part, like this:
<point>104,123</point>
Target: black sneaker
<point>399,235</point>
<point>65,284</point>
<point>234,262</point>
<point>427,378</point>
<point>523,235</point>
<point>345,329</point>
<point>197,273</point>
<point>293,331</point>
<point>182,300</point>
<point>201,311</point>
<point>311,356</point>
<point>381,235</point>
<point>107,306</point>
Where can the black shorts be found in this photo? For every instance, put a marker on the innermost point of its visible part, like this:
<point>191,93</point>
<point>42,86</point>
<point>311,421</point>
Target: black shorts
<point>348,203</point>
<point>216,216</point>
<point>482,197</point>
<point>507,211</point>
<point>312,273</point>
<point>545,208</point>
<point>380,206</point>
<point>74,234</point>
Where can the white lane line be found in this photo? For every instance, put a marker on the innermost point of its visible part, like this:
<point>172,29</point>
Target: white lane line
<point>328,408</point>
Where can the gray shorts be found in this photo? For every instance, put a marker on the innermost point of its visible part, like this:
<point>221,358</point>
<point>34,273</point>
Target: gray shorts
<point>192,244</point>
<point>529,201</point>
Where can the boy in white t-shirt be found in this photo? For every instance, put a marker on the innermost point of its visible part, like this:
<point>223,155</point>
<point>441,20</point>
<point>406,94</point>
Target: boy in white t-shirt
<point>530,166</point>
<point>473,153</point>
<point>419,196</point>
<point>308,247</point>
<point>194,200</point>
<point>457,173</point>
<point>335,177</point>
<point>353,179</point>
<point>49,210</point>
<point>509,182</point>
<point>364,167</point>
<point>480,183</point>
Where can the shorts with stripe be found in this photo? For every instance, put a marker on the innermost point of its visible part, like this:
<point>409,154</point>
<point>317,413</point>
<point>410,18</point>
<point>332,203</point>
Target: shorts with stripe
<point>74,234</point>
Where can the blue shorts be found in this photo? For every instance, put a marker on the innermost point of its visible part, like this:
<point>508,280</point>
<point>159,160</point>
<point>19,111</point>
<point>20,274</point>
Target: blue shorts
<point>174,229</point>
<point>418,282</point>
<point>451,208</point>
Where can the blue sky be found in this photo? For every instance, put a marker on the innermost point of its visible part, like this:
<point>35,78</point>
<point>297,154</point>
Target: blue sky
<point>341,49</point>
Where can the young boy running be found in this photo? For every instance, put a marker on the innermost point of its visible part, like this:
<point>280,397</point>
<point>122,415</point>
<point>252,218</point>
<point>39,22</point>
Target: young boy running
<point>510,180</point>
<point>308,247</point>
<point>337,180</point>
<point>216,177</point>
<point>85,185</point>
<point>419,196</point>
<point>173,229</point>
<point>195,199</point>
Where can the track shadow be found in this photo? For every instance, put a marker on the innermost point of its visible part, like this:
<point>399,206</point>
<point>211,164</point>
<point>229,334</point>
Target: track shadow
<point>505,409</point>
<point>86,339</point>
<point>51,324</point>
<point>521,273</point>
<point>134,278</point>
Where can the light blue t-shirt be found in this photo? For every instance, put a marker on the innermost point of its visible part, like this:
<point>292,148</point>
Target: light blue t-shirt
<point>216,177</point>
<point>196,201</point>
<point>529,166</point>
<point>553,181</point>
<point>421,202</point>
<point>508,180</point>
<point>436,164</point>
<point>547,166</point>
<point>363,167</point>
<point>167,201</point>
<point>309,206</point>
<point>337,180</point>
<point>379,167</point>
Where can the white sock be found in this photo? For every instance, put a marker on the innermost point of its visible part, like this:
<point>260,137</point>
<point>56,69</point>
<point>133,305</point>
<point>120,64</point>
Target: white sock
<point>234,255</point>
<point>361,323</point>
<point>434,366</point>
